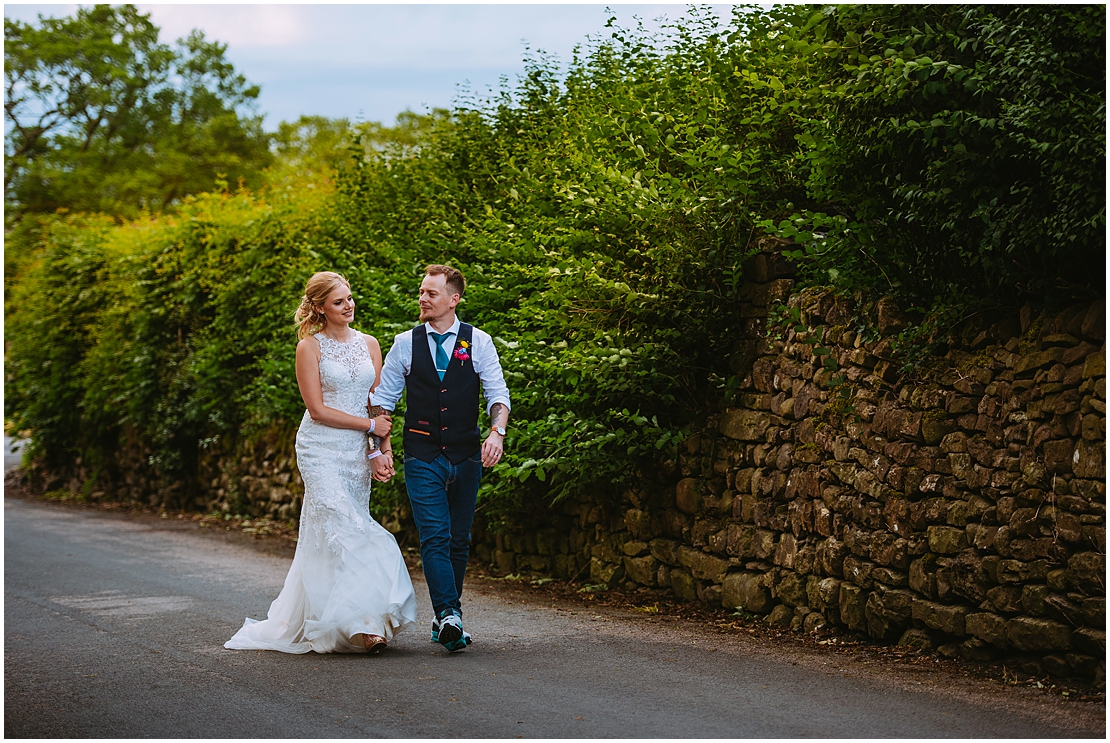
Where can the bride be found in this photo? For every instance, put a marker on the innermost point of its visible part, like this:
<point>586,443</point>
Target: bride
<point>348,590</point>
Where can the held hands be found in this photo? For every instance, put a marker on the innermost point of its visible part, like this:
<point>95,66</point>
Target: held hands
<point>381,468</point>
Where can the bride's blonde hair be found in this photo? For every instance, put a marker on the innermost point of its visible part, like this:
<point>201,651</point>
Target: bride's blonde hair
<point>308,317</point>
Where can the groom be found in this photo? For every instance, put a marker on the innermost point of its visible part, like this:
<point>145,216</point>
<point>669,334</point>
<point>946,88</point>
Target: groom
<point>442,363</point>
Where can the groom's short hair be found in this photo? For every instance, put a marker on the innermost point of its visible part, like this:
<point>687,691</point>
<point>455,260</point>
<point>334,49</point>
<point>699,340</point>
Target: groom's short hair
<point>452,276</point>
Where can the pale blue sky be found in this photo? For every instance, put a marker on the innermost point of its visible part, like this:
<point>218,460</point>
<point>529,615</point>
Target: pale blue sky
<point>374,61</point>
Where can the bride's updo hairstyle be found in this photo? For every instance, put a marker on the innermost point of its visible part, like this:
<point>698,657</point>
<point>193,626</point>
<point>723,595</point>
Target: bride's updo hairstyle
<point>308,318</point>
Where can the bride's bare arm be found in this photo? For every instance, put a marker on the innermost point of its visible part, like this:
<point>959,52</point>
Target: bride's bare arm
<point>308,381</point>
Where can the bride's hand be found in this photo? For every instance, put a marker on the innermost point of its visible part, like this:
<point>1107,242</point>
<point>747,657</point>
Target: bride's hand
<point>383,424</point>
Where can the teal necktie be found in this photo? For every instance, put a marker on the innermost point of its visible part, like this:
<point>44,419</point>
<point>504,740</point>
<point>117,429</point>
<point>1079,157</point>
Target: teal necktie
<point>441,355</point>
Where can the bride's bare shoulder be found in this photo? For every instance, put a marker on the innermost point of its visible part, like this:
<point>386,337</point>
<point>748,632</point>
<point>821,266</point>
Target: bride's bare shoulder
<point>308,345</point>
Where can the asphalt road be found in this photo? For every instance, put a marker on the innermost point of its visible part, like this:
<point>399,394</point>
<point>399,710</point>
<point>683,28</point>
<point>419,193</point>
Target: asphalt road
<point>114,626</point>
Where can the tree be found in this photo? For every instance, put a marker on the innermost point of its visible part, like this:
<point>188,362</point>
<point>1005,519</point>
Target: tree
<point>103,117</point>
<point>317,145</point>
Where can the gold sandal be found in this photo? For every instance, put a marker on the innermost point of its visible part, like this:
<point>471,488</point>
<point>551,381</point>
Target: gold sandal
<point>374,643</point>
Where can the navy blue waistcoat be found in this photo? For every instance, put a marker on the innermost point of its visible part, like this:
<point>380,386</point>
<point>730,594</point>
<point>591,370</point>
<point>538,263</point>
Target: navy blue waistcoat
<point>441,417</point>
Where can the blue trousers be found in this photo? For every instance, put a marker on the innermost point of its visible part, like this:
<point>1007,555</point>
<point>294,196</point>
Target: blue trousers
<point>442,495</point>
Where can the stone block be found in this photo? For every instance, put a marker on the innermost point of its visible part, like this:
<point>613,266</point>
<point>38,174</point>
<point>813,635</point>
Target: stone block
<point>1094,610</point>
<point>830,556</point>
<point>683,584</point>
<point>790,589</point>
<point>1086,571</point>
<point>665,550</point>
<point>946,540</point>
<point>702,566</point>
<point>918,639</point>
<point>1032,634</point>
<point>1016,571</point>
<point>634,548</point>
<point>638,523</point>
<point>813,622</point>
<point>780,616</point>
<point>852,603</point>
<point>975,649</point>
<point>946,618</point>
<point>745,425</point>
<point>1058,456</point>
<point>738,540</point>
<point>934,431</point>
<point>785,551</point>
<point>922,579</point>
<point>688,495</point>
<point>1005,599</point>
<point>879,627</point>
<point>504,561</point>
<point>825,594</point>
<point>858,571</point>
<point>1089,459</point>
<point>642,570</point>
<point>895,605</point>
<point>1038,360</point>
<point>988,627</point>
<point>1090,640</point>
<point>1095,366</point>
<point>763,543</point>
<point>744,591</point>
<point>607,573</point>
<point>1093,325</point>
<point>1063,610</point>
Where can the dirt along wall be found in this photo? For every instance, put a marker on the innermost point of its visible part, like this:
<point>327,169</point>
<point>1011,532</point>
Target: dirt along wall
<point>962,512</point>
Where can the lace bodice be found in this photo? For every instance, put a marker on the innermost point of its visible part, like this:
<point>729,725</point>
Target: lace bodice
<point>346,374</point>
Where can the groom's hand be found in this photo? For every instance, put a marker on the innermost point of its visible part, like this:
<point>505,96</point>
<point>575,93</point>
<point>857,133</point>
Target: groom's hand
<point>493,449</point>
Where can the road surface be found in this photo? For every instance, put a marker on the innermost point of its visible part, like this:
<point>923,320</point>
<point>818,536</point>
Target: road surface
<point>114,627</point>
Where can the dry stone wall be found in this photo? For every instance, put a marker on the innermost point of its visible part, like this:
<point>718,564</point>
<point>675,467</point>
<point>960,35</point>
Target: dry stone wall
<point>960,509</point>
<point>962,512</point>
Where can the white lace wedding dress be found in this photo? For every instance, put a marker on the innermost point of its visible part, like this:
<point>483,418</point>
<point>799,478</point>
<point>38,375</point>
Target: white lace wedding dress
<point>347,576</point>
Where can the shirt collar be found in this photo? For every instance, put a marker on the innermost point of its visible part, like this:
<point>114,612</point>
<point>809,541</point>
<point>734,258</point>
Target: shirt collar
<point>453,330</point>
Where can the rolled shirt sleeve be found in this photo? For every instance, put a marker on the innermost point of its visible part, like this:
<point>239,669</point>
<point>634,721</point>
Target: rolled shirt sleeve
<point>395,368</point>
<point>488,366</point>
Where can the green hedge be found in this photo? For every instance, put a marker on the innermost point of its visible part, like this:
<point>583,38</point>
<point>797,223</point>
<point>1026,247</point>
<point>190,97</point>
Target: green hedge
<point>601,217</point>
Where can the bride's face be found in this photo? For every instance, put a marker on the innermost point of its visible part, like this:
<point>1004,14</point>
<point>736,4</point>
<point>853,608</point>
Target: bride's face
<point>339,307</point>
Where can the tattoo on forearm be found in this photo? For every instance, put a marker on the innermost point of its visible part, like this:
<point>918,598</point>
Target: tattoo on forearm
<point>499,415</point>
<point>376,441</point>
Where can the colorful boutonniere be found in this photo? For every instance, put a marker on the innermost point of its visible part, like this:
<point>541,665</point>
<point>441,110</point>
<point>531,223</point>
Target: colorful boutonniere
<point>462,352</point>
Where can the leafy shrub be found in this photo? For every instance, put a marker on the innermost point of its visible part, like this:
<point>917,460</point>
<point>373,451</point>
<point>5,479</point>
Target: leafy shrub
<point>602,217</point>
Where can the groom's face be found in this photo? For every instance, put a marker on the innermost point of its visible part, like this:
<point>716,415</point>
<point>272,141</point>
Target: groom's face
<point>437,301</point>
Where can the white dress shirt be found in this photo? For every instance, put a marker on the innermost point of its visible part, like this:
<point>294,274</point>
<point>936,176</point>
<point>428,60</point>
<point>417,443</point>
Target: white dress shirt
<point>483,354</point>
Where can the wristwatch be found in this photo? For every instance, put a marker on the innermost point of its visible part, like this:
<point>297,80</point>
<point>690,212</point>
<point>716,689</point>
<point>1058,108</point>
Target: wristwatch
<point>499,429</point>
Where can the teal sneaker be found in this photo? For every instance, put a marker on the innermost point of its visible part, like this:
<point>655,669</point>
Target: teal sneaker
<point>435,633</point>
<point>450,631</point>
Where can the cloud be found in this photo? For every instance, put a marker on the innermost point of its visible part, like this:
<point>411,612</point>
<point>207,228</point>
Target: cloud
<point>239,26</point>
<point>378,59</point>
